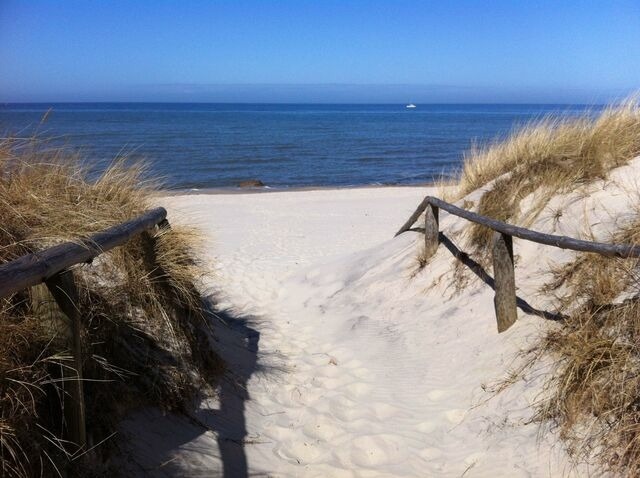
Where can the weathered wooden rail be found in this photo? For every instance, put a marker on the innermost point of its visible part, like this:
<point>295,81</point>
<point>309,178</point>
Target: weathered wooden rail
<point>505,301</point>
<point>52,267</point>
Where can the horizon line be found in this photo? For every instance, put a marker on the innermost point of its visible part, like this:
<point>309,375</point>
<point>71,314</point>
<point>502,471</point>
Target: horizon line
<point>318,103</point>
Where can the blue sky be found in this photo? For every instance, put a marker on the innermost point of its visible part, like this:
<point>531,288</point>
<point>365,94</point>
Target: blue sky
<point>323,51</point>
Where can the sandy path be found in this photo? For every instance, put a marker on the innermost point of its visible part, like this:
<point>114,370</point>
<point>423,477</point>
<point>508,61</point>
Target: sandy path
<point>317,405</point>
<point>366,372</point>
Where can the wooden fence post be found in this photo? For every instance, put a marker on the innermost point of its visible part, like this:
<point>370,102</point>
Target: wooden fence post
<point>431,230</point>
<point>505,281</point>
<point>63,289</point>
<point>414,217</point>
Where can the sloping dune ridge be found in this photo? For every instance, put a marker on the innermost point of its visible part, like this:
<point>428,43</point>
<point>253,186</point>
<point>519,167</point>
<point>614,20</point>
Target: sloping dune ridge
<point>368,365</point>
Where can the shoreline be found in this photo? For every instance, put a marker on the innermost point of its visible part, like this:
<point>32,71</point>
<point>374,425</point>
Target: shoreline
<point>232,190</point>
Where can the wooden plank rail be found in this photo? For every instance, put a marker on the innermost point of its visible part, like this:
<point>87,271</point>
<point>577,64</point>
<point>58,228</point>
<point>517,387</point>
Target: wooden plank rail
<point>505,296</point>
<point>36,268</point>
<point>563,242</point>
<point>51,266</point>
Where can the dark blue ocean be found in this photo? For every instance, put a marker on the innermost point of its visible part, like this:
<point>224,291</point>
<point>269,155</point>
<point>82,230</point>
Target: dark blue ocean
<point>219,145</point>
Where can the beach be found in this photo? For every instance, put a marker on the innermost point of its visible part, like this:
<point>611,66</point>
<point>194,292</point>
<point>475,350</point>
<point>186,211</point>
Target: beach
<point>319,239</point>
<point>366,366</point>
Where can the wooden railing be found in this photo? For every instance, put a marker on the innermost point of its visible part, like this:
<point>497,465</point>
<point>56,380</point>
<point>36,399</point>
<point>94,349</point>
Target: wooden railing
<point>505,300</point>
<point>52,267</point>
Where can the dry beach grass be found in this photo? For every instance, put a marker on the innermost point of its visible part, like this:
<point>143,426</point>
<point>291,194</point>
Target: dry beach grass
<point>593,389</point>
<point>145,339</point>
<point>556,155</point>
<point>592,386</point>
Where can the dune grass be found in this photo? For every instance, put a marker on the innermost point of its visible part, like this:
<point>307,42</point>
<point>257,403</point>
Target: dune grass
<point>592,388</point>
<point>145,339</point>
<point>553,156</point>
<point>593,392</point>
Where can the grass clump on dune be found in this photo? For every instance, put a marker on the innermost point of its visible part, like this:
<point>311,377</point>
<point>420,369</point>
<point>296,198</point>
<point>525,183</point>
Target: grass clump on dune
<point>543,159</point>
<point>145,340</point>
<point>592,390</point>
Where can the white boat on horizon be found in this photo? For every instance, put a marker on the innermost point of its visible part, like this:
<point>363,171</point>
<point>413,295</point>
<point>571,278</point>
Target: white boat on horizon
<point>410,106</point>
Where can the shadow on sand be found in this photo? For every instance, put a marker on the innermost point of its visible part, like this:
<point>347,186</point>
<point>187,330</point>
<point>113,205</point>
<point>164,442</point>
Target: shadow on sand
<point>215,432</point>
<point>479,271</point>
<point>484,276</point>
<point>237,344</point>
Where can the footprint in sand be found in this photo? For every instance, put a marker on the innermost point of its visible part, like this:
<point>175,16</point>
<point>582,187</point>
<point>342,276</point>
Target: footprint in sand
<point>328,383</point>
<point>430,453</point>
<point>279,433</point>
<point>352,364</point>
<point>347,413</point>
<point>372,451</point>
<point>357,389</point>
<point>436,395</point>
<point>426,427</point>
<point>362,373</point>
<point>455,416</point>
<point>301,452</point>
<point>319,359</point>
<point>474,458</point>
<point>321,428</point>
<point>384,411</point>
<point>291,396</point>
<point>330,371</point>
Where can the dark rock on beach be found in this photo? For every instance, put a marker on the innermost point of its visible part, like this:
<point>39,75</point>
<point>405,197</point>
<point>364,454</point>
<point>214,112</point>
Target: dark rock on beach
<point>251,183</point>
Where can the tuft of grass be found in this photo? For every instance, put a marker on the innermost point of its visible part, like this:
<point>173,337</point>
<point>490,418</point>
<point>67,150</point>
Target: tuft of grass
<point>553,156</point>
<point>592,394</point>
<point>591,390</point>
<point>422,260</point>
<point>594,386</point>
<point>145,338</point>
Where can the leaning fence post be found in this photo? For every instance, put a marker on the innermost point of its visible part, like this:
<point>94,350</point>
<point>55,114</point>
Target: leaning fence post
<point>414,217</point>
<point>63,289</point>
<point>431,230</point>
<point>505,282</point>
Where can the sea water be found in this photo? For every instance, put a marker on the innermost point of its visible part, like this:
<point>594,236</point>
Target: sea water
<point>218,145</point>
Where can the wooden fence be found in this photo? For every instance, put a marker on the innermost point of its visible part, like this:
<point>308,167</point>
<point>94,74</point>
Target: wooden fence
<point>52,267</point>
<point>505,301</point>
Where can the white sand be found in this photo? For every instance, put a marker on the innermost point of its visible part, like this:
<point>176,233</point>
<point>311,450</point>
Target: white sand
<point>367,368</point>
